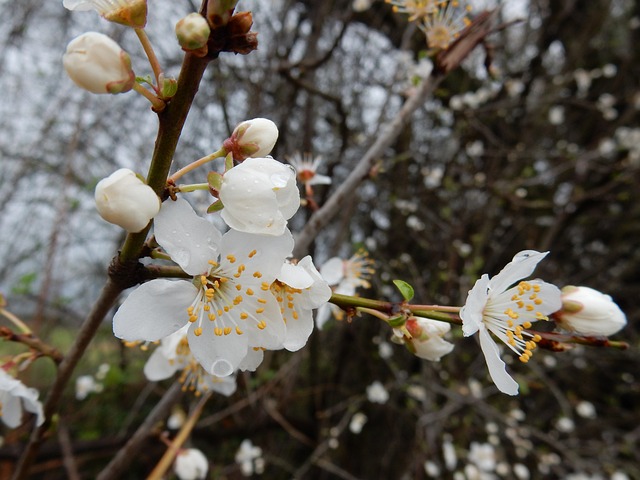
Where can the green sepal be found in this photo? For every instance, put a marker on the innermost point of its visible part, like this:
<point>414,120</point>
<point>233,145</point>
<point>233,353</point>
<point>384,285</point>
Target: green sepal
<point>147,79</point>
<point>215,207</point>
<point>215,180</point>
<point>397,322</point>
<point>405,289</point>
<point>228,162</point>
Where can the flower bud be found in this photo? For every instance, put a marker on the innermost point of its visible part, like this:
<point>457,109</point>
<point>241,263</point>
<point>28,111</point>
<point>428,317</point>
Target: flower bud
<point>125,200</point>
<point>589,312</point>
<point>131,13</point>
<point>426,338</point>
<point>192,31</point>
<point>219,11</point>
<point>252,138</point>
<point>98,64</point>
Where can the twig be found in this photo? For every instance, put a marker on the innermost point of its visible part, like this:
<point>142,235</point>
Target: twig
<point>119,464</point>
<point>361,171</point>
<point>67,453</point>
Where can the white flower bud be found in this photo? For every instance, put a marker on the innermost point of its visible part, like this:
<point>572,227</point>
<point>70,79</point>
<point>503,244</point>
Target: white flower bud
<point>125,200</point>
<point>426,338</point>
<point>259,196</point>
<point>191,464</point>
<point>98,64</point>
<point>252,138</point>
<point>589,312</point>
<point>193,31</point>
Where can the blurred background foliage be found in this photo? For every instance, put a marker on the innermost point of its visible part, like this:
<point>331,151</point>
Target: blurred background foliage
<point>533,144</point>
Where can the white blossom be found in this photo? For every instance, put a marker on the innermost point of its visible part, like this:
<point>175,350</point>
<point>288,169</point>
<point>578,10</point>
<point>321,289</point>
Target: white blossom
<point>228,306</point>
<point>14,397</point>
<point>249,457</point>
<point>252,138</point>
<point>125,200</point>
<point>191,464</point>
<point>132,13</point>
<point>494,306</point>
<point>376,393</point>
<point>259,196</point>
<point>425,339</point>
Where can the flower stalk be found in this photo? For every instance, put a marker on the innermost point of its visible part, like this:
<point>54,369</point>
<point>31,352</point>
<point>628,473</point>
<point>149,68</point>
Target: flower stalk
<point>198,163</point>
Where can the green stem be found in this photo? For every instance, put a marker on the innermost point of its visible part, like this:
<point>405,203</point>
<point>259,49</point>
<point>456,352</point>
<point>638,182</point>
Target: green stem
<point>192,166</point>
<point>16,321</point>
<point>347,301</point>
<point>171,120</point>
<point>436,315</point>
<point>158,104</point>
<point>151,54</point>
<point>192,187</point>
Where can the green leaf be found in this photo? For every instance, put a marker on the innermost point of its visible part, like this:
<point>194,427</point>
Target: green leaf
<point>215,207</point>
<point>397,322</point>
<point>405,289</point>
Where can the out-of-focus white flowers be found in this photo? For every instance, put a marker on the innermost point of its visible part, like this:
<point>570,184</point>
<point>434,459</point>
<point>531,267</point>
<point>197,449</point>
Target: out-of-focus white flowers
<point>361,5</point>
<point>14,397</point>
<point>252,138</point>
<point>193,31</point>
<point>85,385</point>
<point>589,312</point>
<point>376,393</point>
<point>97,64</point>
<point>357,422</point>
<point>191,464</point>
<point>306,166</point>
<point>132,13</point>
<point>259,196</point>
<point>125,200</point>
<point>249,457</point>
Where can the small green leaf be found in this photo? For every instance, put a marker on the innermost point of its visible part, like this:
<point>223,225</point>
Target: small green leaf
<point>215,180</point>
<point>215,207</point>
<point>405,289</point>
<point>397,322</point>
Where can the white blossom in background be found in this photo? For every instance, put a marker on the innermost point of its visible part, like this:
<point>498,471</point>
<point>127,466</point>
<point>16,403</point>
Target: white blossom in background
<point>252,138</point>
<point>125,200</point>
<point>449,453</point>
<point>306,167</point>
<point>228,306</point>
<point>494,306</point>
<point>357,422</point>
<point>176,419</point>
<point>425,339</point>
<point>132,13</point>
<point>586,409</point>
<point>589,312</point>
<point>249,457</point>
<point>444,26</point>
<point>483,456</point>
<point>376,393</point>
<point>173,355</point>
<point>259,196</point>
<point>344,277</point>
<point>97,64</point>
<point>565,425</point>
<point>299,289</point>
<point>361,5</point>
<point>14,397</point>
<point>431,469</point>
<point>85,385</point>
<point>556,115</point>
<point>191,464</point>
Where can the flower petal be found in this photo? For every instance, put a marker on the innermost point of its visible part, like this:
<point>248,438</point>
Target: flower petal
<point>190,240</point>
<point>252,360</point>
<point>471,313</point>
<point>154,310</point>
<point>522,266</point>
<point>497,368</point>
<point>159,367</point>
<point>219,355</point>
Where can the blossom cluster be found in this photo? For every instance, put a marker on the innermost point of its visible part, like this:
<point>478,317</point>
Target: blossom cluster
<point>244,294</point>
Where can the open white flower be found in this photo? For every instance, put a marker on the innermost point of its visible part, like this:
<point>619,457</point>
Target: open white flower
<point>125,200</point>
<point>14,396</point>
<point>426,340</point>
<point>299,289</point>
<point>416,9</point>
<point>306,166</point>
<point>98,64</point>
<point>174,355</point>
<point>191,464</point>
<point>492,306</point>
<point>589,312</point>
<point>229,304</point>
<point>259,196</point>
<point>132,13</point>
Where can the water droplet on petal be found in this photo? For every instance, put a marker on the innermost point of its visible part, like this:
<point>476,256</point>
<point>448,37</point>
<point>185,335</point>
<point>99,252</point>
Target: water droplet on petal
<point>279,180</point>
